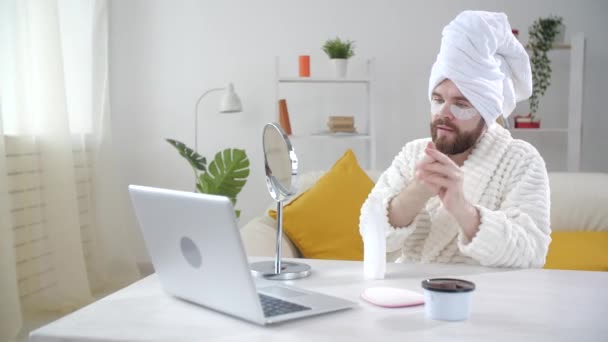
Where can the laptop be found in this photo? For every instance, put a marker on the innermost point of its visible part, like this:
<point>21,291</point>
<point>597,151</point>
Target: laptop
<point>196,249</point>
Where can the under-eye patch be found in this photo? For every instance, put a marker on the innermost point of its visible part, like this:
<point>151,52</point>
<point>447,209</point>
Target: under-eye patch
<point>458,112</point>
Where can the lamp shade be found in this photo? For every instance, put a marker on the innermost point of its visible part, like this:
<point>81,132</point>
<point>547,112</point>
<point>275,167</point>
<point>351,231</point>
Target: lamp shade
<point>231,103</point>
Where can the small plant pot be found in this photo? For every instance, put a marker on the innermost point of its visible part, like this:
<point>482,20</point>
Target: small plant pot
<point>340,67</point>
<point>526,121</point>
<point>531,124</point>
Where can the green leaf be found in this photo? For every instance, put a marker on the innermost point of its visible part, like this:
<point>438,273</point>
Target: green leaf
<point>336,48</point>
<point>542,33</point>
<point>197,161</point>
<point>226,175</point>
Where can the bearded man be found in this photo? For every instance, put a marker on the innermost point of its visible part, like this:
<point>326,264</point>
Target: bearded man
<point>470,193</point>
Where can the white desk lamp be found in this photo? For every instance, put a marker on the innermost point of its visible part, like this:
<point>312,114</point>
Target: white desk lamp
<point>230,103</point>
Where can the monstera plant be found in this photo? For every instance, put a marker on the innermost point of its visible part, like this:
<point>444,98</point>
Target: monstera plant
<point>226,175</point>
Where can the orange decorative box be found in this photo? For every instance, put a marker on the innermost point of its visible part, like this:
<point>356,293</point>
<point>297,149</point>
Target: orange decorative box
<point>304,62</point>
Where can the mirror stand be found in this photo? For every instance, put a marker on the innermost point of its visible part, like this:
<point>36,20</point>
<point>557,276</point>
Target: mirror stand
<point>278,270</point>
<point>281,166</point>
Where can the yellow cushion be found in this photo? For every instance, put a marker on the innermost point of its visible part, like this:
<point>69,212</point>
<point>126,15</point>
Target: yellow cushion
<point>578,251</point>
<point>323,222</point>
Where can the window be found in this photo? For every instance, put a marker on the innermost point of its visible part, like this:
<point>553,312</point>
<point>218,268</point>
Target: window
<point>28,53</point>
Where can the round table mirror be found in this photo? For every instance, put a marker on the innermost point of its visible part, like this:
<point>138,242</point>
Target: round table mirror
<point>280,162</point>
<point>281,166</point>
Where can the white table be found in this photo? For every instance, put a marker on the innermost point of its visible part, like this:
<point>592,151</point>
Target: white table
<point>513,305</point>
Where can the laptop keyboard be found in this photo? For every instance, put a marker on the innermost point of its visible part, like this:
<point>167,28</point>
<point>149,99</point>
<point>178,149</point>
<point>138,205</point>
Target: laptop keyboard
<point>274,306</point>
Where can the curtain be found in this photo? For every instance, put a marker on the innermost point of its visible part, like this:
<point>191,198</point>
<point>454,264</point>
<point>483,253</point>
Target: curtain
<point>10,310</point>
<point>65,218</point>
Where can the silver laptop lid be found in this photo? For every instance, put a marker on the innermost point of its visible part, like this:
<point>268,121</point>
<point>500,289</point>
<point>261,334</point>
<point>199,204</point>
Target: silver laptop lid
<point>196,249</point>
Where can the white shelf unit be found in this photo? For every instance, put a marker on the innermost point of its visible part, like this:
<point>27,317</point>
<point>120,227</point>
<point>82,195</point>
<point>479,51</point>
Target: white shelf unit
<point>368,136</point>
<point>573,130</point>
<point>330,135</point>
<point>540,130</point>
<point>320,80</point>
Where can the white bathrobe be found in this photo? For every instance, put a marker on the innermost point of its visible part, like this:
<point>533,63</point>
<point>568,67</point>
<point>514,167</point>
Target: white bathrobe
<point>505,178</point>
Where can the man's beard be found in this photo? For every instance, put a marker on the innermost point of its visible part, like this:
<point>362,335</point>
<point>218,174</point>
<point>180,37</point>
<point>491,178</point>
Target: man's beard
<point>461,142</point>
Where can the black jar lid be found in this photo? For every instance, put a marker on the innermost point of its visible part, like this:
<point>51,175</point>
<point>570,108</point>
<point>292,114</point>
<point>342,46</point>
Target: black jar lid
<point>448,285</point>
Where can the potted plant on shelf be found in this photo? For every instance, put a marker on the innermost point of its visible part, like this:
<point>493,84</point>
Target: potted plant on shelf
<point>542,35</point>
<point>339,52</point>
<point>226,175</point>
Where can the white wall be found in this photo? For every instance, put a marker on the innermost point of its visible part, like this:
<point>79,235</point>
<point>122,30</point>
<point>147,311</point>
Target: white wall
<point>166,53</point>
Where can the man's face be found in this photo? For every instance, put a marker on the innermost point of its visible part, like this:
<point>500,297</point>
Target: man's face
<point>456,126</point>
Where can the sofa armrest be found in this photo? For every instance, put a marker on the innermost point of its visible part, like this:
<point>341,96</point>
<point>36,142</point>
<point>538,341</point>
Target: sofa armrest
<point>579,201</point>
<point>259,239</point>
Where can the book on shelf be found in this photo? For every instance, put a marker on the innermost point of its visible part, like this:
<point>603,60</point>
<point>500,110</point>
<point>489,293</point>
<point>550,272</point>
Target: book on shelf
<point>284,116</point>
<point>341,120</point>
<point>340,125</point>
<point>343,130</point>
<point>333,125</point>
<point>344,124</point>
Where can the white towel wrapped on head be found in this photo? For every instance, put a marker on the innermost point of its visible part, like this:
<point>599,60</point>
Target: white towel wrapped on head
<point>490,67</point>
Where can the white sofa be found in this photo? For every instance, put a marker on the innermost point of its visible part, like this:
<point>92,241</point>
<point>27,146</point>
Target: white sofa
<point>579,201</point>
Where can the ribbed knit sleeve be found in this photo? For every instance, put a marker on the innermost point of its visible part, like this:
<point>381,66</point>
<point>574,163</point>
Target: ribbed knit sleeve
<point>518,233</point>
<point>374,212</point>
